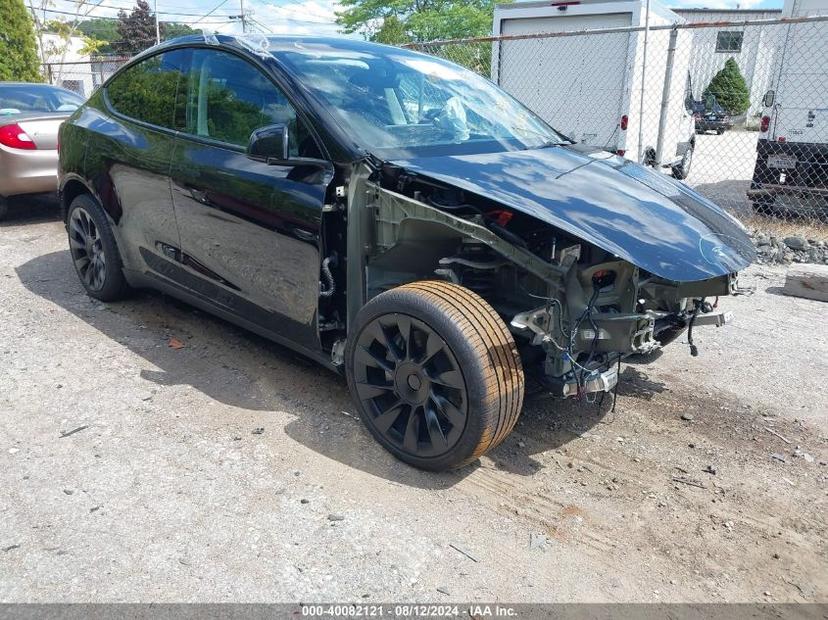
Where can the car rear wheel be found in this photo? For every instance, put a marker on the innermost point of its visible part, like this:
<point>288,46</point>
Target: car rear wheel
<point>4,208</point>
<point>435,374</point>
<point>94,252</point>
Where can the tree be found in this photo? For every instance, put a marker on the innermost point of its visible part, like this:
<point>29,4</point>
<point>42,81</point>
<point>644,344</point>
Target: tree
<point>18,46</point>
<point>136,30</point>
<point>392,32</point>
<point>171,30</point>
<point>730,89</point>
<point>53,49</point>
<point>106,29</point>
<point>101,29</point>
<point>401,21</point>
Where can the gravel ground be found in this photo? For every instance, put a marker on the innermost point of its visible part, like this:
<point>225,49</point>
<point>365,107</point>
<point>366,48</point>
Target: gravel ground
<point>233,470</point>
<point>723,168</point>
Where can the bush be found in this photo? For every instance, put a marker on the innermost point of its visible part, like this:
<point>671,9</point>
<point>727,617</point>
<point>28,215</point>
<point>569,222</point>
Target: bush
<point>18,49</point>
<point>730,89</point>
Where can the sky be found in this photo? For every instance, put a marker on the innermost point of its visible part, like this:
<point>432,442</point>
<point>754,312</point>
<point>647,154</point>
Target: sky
<point>291,16</point>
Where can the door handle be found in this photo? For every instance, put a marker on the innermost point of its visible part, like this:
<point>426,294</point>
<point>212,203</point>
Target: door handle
<point>304,235</point>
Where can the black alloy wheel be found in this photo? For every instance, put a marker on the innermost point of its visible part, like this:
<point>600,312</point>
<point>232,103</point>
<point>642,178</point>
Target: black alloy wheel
<point>94,251</point>
<point>409,381</point>
<point>435,374</point>
<point>86,245</point>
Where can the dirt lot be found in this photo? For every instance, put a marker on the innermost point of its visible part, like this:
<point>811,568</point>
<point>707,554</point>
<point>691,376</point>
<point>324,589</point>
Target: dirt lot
<point>723,168</point>
<point>167,491</point>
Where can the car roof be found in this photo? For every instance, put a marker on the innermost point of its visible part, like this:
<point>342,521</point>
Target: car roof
<point>40,85</point>
<point>35,84</point>
<point>266,44</point>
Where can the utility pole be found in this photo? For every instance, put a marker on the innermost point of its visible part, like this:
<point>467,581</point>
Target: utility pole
<point>640,158</point>
<point>157,25</point>
<point>243,17</point>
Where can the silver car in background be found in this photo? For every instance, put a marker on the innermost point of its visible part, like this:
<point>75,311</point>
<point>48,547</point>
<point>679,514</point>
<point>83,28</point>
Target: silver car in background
<point>30,115</point>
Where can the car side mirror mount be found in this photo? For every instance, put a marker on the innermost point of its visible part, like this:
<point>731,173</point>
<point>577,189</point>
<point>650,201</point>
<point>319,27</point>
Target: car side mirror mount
<point>768,99</point>
<point>270,142</point>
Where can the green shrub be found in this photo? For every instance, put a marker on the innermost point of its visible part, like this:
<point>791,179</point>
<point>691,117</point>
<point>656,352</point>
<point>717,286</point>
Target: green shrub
<point>730,89</point>
<point>18,49</point>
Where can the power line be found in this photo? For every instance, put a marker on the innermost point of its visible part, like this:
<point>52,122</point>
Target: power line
<point>129,4</point>
<point>296,20</point>
<point>132,6</point>
<point>201,17</point>
<point>181,21</point>
<point>228,19</point>
<point>260,25</point>
<point>215,8</point>
<point>184,13</point>
<point>300,4</point>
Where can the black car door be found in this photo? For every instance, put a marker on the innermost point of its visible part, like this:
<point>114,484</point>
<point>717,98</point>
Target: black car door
<point>128,158</point>
<point>250,230</point>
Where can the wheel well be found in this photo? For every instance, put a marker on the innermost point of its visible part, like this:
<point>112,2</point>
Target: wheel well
<point>70,191</point>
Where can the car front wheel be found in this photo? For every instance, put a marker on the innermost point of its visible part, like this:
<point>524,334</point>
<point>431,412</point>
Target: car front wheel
<point>435,373</point>
<point>4,208</point>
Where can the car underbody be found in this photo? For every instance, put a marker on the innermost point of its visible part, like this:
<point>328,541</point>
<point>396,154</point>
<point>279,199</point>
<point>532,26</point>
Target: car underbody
<point>574,309</point>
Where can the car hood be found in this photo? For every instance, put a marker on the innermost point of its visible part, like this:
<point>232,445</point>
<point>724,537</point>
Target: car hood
<point>633,212</point>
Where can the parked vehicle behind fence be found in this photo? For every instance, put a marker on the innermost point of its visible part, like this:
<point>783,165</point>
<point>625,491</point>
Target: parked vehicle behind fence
<point>710,116</point>
<point>791,173</point>
<point>590,86</point>
<point>30,115</point>
<point>393,216</point>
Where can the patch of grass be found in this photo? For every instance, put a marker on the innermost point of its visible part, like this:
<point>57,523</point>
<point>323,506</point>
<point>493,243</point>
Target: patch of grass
<point>781,228</point>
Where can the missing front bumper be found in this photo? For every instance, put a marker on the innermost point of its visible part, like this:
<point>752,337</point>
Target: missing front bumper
<point>718,319</point>
<point>572,385</point>
<point>596,382</point>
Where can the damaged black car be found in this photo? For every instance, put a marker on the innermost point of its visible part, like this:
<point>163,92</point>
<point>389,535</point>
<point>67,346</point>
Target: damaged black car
<point>395,217</point>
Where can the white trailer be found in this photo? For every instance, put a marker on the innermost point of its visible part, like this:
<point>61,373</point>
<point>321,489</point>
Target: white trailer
<point>590,85</point>
<point>792,151</point>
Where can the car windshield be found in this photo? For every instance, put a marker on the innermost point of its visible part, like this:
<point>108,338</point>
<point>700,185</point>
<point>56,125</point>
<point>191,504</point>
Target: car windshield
<point>34,98</point>
<point>396,103</point>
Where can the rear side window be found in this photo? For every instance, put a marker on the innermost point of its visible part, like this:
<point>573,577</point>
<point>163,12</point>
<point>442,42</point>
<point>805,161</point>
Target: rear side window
<point>23,98</point>
<point>228,98</point>
<point>147,91</point>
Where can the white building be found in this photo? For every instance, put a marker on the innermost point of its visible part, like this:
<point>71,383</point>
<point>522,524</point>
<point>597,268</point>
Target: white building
<point>59,56</point>
<point>66,66</point>
<point>753,48</point>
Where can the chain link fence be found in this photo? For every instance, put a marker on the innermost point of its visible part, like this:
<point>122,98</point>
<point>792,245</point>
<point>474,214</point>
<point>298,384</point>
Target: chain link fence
<point>82,77</point>
<point>738,110</point>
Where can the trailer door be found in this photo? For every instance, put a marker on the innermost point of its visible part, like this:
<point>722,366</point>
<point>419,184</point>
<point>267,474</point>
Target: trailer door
<point>801,113</point>
<point>575,83</point>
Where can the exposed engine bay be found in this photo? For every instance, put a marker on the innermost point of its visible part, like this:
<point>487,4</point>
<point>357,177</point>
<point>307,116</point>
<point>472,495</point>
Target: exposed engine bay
<point>574,309</point>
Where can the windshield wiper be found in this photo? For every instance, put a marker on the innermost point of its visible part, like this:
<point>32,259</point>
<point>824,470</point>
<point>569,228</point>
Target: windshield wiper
<point>546,141</point>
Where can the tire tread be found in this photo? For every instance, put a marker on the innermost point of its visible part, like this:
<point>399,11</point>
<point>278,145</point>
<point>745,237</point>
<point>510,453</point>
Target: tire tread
<point>115,287</point>
<point>490,337</point>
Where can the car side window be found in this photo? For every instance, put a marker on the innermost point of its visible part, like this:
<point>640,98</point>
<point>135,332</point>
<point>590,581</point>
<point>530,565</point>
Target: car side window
<point>147,91</point>
<point>228,98</point>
